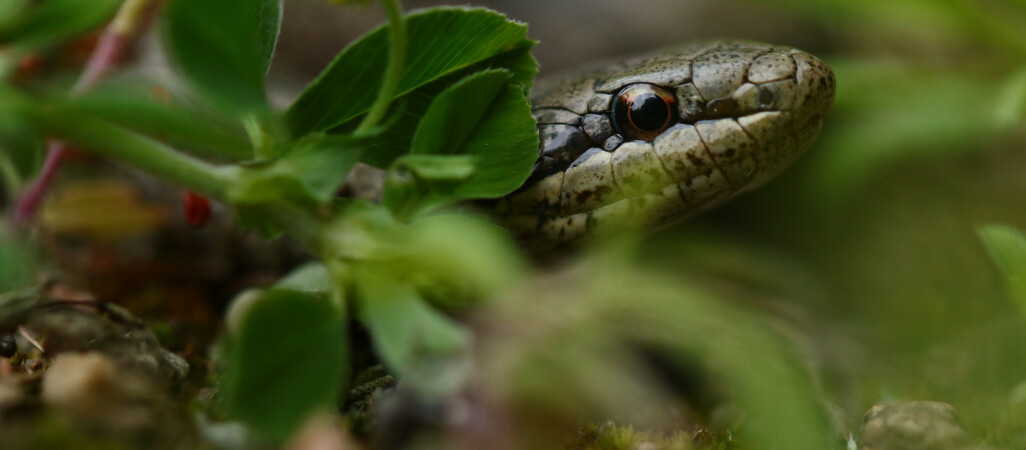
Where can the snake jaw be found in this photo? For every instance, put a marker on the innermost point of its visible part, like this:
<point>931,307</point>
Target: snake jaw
<point>744,112</point>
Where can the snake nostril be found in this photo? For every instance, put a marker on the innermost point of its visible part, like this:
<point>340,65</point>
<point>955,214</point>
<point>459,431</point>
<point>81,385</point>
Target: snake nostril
<point>766,98</point>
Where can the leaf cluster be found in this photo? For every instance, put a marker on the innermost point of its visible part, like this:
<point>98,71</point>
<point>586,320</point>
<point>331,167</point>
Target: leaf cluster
<point>436,97</point>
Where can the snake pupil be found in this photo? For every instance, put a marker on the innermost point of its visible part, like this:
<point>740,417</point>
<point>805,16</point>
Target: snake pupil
<point>649,112</point>
<point>642,111</point>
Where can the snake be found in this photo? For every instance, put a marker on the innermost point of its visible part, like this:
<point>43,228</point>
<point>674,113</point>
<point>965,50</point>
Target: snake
<point>657,138</point>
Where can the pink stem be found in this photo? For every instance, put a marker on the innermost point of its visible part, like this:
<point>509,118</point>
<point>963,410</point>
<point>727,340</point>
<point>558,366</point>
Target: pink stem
<point>106,54</point>
<point>28,202</point>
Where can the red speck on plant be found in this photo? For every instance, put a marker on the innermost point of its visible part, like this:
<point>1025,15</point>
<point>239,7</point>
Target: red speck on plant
<point>196,208</point>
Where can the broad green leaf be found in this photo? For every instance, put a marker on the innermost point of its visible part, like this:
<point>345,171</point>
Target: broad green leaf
<point>521,62</point>
<point>448,168</point>
<point>224,47</point>
<point>419,183</point>
<point>489,119</point>
<point>455,113</point>
<point>408,334</point>
<point>309,176</point>
<point>396,140</point>
<point>310,173</point>
<point>1007,247</point>
<point>286,361</point>
<point>485,126</point>
<point>461,259</point>
<point>52,21</point>
<point>440,41</point>
<point>311,277</point>
<point>192,129</point>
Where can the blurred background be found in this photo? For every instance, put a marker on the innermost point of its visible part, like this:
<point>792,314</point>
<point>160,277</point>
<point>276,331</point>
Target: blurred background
<point>868,245</point>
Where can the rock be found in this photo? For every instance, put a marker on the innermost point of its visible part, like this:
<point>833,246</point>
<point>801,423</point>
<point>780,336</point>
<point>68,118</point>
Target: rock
<point>96,392</point>
<point>112,331</point>
<point>76,380</point>
<point>912,426</point>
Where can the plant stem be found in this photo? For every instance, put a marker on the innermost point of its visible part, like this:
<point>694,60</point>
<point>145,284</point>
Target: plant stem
<point>263,148</point>
<point>126,25</point>
<point>108,140</point>
<point>394,71</point>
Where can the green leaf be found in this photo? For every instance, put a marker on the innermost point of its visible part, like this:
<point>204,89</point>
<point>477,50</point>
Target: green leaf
<point>455,113</point>
<point>440,41</point>
<point>408,334</point>
<point>311,278</point>
<point>521,63</point>
<point>50,22</point>
<point>484,126</point>
<point>286,361</point>
<point>439,167</point>
<point>224,47</point>
<point>307,177</point>
<point>192,129</point>
<point>489,119</point>
<point>420,183</point>
<point>399,135</point>
<point>460,259</point>
<point>310,173</point>
<point>1007,247</point>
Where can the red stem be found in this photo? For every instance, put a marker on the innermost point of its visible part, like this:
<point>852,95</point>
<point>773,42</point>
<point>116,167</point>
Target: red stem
<point>108,52</point>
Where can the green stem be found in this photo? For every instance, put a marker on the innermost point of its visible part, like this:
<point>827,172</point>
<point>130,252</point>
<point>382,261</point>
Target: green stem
<point>263,149</point>
<point>394,71</point>
<point>103,138</point>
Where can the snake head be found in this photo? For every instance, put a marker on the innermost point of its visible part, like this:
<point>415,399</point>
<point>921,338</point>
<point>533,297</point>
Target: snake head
<point>660,138</point>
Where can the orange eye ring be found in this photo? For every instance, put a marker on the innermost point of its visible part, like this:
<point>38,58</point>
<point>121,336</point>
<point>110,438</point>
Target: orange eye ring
<point>642,111</point>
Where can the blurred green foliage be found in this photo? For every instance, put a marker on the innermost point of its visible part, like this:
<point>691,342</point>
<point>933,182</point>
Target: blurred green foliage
<point>874,232</point>
<point>28,25</point>
<point>17,263</point>
<point>1007,247</point>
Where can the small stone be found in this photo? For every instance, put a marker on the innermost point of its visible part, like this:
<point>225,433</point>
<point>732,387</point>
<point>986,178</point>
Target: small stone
<point>76,379</point>
<point>919,425</point>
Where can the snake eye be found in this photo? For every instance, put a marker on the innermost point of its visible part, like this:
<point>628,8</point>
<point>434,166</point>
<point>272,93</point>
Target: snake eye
<point>642,111</point>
